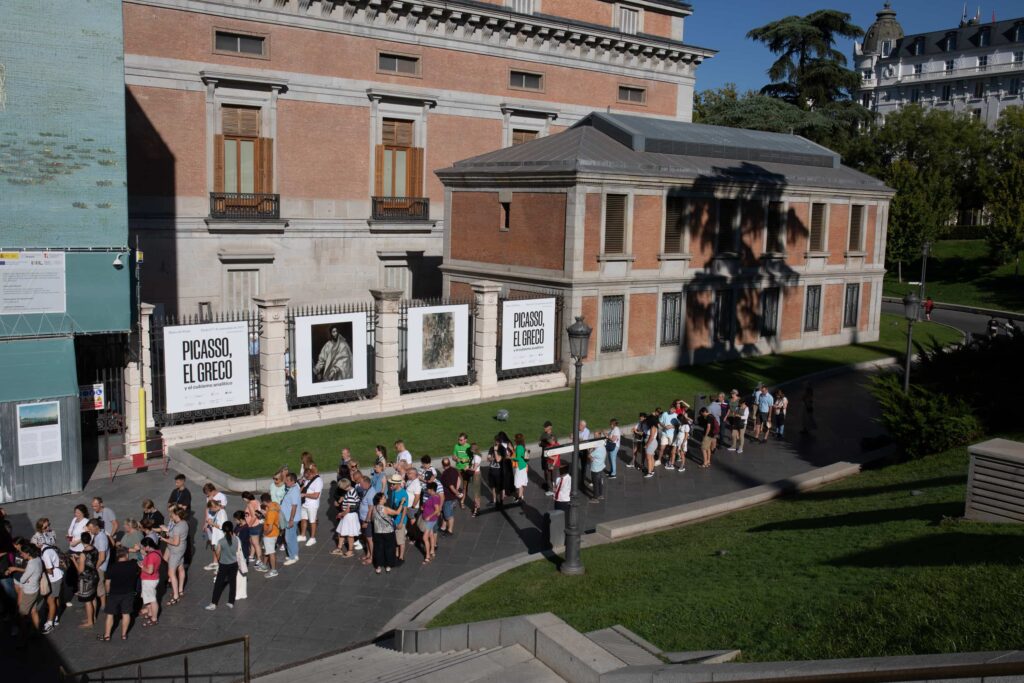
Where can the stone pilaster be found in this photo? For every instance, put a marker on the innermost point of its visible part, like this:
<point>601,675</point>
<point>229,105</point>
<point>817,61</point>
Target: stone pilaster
<point>388,364</point>
<point>485,333</point>
<point>273,343</point>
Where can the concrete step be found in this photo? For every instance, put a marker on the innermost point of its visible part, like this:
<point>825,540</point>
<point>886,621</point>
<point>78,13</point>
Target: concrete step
<point>702,656</point>
<point>619,644</point>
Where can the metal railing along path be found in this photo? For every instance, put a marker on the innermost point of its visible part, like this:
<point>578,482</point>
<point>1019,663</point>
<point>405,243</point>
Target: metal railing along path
<point>86,674</point>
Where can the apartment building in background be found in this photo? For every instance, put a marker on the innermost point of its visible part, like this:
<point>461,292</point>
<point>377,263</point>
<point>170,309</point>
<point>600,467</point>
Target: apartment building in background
<point>288,147</point>
<point>677,242</point>
<point>975,68</point>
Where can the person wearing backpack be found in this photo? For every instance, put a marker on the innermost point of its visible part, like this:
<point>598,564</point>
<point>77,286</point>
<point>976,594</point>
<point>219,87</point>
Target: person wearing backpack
<point>88,578</point>
<point>54,564</point>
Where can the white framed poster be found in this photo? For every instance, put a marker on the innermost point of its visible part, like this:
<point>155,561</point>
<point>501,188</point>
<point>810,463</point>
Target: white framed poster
<point>437,342</point>
<point>330,352</point>
<point>206,366</point>
<point>39,433</point>
<point>527,333</point>
<point>32,282</point>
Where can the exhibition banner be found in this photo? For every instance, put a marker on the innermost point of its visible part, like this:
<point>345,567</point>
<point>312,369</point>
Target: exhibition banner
<point>527,333</point>
<point>330,353</point>
<point>32,282</point>
<point>38,433</point>
<point>206,366</point>
<point>437,344</point>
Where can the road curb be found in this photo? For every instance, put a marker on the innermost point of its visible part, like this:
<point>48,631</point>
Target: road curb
<point>960,308</point>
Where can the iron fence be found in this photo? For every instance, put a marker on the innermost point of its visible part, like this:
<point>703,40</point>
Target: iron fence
<point>156,344</point>
<point>294,355</point>
<point>556,364</point>
<point>435,343</point>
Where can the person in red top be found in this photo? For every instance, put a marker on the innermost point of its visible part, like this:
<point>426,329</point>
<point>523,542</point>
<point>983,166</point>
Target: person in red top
<point>929,305</point>
<point>150,570</point>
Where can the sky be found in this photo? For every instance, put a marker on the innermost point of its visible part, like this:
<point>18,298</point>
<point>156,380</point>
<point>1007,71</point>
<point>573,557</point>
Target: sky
<point>723,24</point>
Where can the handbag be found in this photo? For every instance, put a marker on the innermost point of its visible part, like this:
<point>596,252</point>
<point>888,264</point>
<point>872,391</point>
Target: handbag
<point>44,585</point>
<point>243,565</point>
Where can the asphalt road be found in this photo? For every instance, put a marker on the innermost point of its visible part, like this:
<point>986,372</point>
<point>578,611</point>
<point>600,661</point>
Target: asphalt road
<point>968,322</point>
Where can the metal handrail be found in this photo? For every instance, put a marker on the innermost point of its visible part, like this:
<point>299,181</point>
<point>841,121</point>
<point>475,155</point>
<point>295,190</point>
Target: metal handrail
<point>246,672</point>
<point>921,673</point>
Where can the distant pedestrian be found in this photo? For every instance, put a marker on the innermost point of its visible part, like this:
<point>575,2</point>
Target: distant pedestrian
<point>563,489</point>
<point>521,464</point>
<point>598,457</point>
<point>710,426</point>
<point>384,541</point>
<point>614,441</point>
<point>227,565</point>
<point>180,495</point>
<point>121,579</point>
<point>781,408</point>
<point>929,306</point>
<point>765,403</point>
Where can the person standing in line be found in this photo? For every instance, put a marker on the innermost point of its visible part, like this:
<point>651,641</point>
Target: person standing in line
<point>150,512</point>
<point>106,516</point>
<point>781,408</point>
<point>451,484</point>
<point>738,417</point>
<point>345,465</point>
<point>44,534</point>
<point>765,403</point>
<point>101,543</point>
<point>150,573</point>
<point>462,459</point>
<point>310,493</point>
<point>348,519</point>
<point>215,518</point>
<point>598,457</point>
<point>290,514</point>
<point>614,441</point>
<point>584,431</point>
<point>227,569</point>
<point>563,489</point>
<point>650,445</point>
<point>50,558</point>
<point>808,400</point>
<point>132,539</point>
<point>403,458</point>
<point>639,438</point>
<point>496,474</point>
<point>27,586</point>
<point>120,589</point>
<point>521,464</point>
<point>398,499</point>
<point>366,490</point>
<point>715,410</point>
<point>384,541</point>
<point>253,515</point>
<point>271,530</point>
<point>180,495</point>
<point>212,493</point>
<point>681,442</point>
<point>550,466</point>
<point>710,426</point>
<point>473,475</point>
<point>428,521</point>
<point>667,434</point>
<point>88,580</point>
<point>175,536</point>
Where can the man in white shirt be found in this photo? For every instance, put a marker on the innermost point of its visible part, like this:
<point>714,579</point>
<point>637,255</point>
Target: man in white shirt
<point>584,431</point>
<point>51,565</point>
<point>310,494</point>
<point>614,437</point>
<point>403,458</point>
<point>413,487</point>
<point>563,488</point>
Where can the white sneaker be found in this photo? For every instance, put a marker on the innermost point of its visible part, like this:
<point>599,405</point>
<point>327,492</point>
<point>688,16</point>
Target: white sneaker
<point>357,546</point>
<point>300,538</point>
<point>210,607</point>
<point>310,542</point>
<point>669,467</point>
<point>210,567</point>
<point>549,493</point>
<point>740,450</point>
<point>680,469</point>
<point>231,605</point>
<point>730,449</point>
<point>290,561</point>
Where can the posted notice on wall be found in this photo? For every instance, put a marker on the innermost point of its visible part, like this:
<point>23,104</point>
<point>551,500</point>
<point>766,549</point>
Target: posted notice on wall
<point>91,397</point>
<point>331,353</point>
<point>32,282</point>
<point>438,342</point>
<point>527,333</point>
<point>39,433</point>
<point>206,366</point>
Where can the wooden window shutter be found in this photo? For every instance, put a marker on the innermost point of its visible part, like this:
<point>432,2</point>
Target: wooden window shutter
<point>266,168</point>
<point>218,163</point>
<point>240,121</point>
<point>378,170</point>
<point>519,136</point>
<point>414,172</point>
<point>396,133</point>
<point>856,221</point>
<point>675,224</point>
<point>817,237</point>
<point>615,224</point>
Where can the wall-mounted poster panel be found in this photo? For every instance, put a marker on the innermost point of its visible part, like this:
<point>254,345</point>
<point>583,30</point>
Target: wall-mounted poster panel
<point>32,282</point>
<point>437,342</point>
<point>331,353</point>
<point>527,333</point>
<point>39,433</point>
<point>206,366</point>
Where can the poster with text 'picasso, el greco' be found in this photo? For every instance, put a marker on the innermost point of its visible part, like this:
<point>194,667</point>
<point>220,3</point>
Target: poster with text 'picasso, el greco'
<point>527,333</point>
<point>206,366</point>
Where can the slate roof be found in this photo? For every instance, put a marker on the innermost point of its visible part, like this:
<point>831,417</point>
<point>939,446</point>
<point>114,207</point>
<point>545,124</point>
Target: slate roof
<point>1001,34</point>
<point>659,148</point>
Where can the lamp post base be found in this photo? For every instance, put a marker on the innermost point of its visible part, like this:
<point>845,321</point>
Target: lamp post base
<point>576,570</point>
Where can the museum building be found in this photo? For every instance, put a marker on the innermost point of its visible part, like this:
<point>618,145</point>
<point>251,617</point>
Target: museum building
<point>288,147</point>
<point>677,242</point>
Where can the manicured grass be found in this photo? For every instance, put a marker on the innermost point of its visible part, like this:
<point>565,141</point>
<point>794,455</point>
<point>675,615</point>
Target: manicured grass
<point>961,272</point>
<point>874,565</point>
<point>434,432</point>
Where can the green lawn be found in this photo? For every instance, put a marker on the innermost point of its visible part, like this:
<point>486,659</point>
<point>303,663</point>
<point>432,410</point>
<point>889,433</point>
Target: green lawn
<point>961,272</point>
<point>434,432</point>
<point>874,565</point>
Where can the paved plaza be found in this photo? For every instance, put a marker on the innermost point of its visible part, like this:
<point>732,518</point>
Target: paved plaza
<point>325,603</point>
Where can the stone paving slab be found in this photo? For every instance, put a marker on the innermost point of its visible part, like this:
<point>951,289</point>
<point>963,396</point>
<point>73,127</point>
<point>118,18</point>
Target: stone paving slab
<point>325,603</point>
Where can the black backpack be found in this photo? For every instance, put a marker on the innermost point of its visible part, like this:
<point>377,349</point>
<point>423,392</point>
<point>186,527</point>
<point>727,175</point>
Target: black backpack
<point>88,580</point>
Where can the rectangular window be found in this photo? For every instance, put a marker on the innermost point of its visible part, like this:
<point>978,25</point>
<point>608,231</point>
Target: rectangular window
<point>521,135</point>
<point>242,286</point>
<point>399,165</point>
<point>918,69</point>
<point>979,89</point>
<point>856,226</point>
<point>947,93</point>
<point>1018,33</point>
<point>1013,88</point>
<point>671,318</point>
<point>524,80</point>
<point>401,65</point>
<point>632,95</point>
<point>724,315</point>
<point>728,212</point>
<point>613,310</point>
<point>615,224</point>
<point>1018,57</point>
<point>851,309</point>
<point>774,225</point>
<point>866,75</point>
<point>677,212</point>
<point>984,37</point>
<point>817,236</point>
<point>812,313</point>
<point>770,312</point>
<point>950,43</point>
<point>628,20</point>
<point>918,47</point>
<point>522,6</point>
<point>949,66</point>
<point>241,151</point>
<point>239,43</point>
<point>982,62</point>
<point>915,95</point>
<point>506,216</point>
<point>886,47</point>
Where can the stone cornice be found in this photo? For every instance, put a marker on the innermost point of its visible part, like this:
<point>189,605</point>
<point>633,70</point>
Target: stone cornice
<point>467,21</point>
<point>209,77</point>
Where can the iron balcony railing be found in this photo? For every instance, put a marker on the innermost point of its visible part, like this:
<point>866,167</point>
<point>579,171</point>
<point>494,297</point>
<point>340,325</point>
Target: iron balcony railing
<point>245,205</point>
<point>400,209</point>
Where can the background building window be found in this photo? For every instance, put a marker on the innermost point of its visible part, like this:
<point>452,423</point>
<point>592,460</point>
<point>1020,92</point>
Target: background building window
<point>671,318</point>
<point>982,62</point>
<point>242,285</point>
<point>676,215</point>
<point>816,241</point>
<point>984,37</point>
<point>886,47</point>
<point>812,312</point>
<point>1013,88</point>
<point>949,65</point>
<point>856,227</point>
<point>770,312</point>
<point>918,69</point>
<point>628,20</point>
<point>521,135</point>
<point>1018,57</point>
<point>402,65</point>
<point>632,95</point>
<point>612,315</point>
<point>947,93</point>
<point>774,221</point>
<point>915,95</point>
<point>615,224</point>
<point>979,89</point>
<point>239,43</point>
<point>724,315</point>
<point>522,6</point>
<point>399,165</point>
<point>524,80</point>
<point>728,213</point>
<point>243,160</point>
<point>851,309</point>
<point>949,44</point>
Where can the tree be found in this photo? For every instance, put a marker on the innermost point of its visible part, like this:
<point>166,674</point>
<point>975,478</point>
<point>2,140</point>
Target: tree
<point>1004,188</point>
<point>919,211</point>
<point>809,72</point>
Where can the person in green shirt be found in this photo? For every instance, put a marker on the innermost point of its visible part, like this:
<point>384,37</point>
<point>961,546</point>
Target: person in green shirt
<point>461,453</point>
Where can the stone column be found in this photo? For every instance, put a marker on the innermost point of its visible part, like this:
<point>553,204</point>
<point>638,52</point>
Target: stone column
<point>147,360</point>
<point>273,343</point>
<point>139,375</point>
<point>387,349</point>
<point>485,334</point>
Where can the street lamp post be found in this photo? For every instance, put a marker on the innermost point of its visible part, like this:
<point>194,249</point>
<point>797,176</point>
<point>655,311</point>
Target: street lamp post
<point>579,340</point>
<point>925,251</point>
<point>910,306</point>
